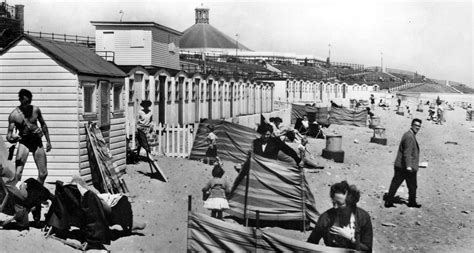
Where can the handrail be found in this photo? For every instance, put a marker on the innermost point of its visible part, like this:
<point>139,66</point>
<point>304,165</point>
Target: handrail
<point>84,40</point>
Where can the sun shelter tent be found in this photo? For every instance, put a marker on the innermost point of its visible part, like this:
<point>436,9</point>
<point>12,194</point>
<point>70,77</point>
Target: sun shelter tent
<point>206,234</point>
<point>346,116</point>
<point>318,114</point>
<point>233,140</point>
<point>278,190</point>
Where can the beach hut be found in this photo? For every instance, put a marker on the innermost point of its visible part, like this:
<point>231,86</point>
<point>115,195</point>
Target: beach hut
<point>72,86</point>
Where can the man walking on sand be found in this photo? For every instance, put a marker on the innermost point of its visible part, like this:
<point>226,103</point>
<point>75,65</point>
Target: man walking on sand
<point>24,118</point>
<point>406,166</point>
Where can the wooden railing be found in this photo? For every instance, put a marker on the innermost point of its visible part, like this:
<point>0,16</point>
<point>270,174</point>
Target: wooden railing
<point>84,40</point>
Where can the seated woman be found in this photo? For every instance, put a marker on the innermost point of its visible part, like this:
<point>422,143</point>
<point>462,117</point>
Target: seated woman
<point>345,225</point>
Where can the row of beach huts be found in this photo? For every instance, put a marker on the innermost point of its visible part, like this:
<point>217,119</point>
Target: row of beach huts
<point>73,85</point>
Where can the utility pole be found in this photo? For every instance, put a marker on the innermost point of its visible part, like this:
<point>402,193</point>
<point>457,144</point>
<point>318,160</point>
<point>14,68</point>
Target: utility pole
<point>381,61</point>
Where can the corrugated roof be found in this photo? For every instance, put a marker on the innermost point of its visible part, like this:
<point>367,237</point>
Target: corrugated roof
<point>203,35</point>
<point>77,58</point>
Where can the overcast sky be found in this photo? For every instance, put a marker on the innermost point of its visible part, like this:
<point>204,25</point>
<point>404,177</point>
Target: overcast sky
<point>433,38</point>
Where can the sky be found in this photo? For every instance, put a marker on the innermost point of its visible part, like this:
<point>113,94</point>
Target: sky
<point>433,38</point>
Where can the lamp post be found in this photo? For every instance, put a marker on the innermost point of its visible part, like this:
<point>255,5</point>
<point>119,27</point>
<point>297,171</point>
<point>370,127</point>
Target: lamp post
<point>329,52</point>
<point>237,44</point>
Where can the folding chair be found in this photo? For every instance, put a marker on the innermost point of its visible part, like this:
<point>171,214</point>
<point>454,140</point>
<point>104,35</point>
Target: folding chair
<point>143,142</point>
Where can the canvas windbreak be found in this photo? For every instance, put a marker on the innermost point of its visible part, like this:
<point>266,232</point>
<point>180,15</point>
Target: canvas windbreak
<point>277,189</point>
<point>233,140</point>
<point>318,114</point>
<point>345,116</point>
<point>207,234</point>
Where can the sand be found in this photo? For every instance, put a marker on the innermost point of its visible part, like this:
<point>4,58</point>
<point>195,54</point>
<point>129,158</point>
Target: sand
<point>445,189</point>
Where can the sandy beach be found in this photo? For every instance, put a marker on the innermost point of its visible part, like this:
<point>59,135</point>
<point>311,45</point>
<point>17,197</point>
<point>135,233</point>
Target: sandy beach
<point>445,223</point>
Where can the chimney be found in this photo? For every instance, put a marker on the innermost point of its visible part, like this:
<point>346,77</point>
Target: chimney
<point>20,15</point>
<point>202,15</point>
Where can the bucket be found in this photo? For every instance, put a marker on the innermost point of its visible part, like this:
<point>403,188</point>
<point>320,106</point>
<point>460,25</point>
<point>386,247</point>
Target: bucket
<point>333,142</point>
<point>374,122</point>
<point>379,132</point>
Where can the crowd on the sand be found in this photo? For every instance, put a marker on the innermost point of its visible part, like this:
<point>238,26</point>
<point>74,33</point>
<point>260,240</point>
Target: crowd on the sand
<point>346,225</point>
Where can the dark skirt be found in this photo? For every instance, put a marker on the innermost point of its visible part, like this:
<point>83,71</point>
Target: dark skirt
<point>211,152</point>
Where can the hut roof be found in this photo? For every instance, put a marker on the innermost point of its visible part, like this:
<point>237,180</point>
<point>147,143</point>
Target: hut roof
<point>76,57</point>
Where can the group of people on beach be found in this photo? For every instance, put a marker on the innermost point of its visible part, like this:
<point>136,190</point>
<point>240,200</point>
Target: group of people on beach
<point>345,225</point>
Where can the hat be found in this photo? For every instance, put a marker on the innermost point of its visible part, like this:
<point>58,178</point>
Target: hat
<point>145,103</point>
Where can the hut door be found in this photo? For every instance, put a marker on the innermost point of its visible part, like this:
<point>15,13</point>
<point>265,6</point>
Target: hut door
<point>104,112</point>
<point>231,95</point>
<point>344,91</point>
<point>321,91</point>
<point>162,99</point>
<point>180,100</point>
<point>197,99</point>
<point>221,99</point>
<point>209,98</point>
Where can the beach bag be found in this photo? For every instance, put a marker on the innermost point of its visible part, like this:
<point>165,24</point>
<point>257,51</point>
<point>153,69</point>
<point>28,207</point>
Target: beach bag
<point>205,195</point>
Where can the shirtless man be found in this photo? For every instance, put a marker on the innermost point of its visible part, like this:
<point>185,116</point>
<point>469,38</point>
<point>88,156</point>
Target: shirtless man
<point>24,118</point>
<point>29,140</point>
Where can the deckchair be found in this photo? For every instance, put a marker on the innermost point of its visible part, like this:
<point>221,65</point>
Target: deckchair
<point>143,142</point>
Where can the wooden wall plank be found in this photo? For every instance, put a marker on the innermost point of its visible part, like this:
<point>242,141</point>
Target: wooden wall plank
<point>38,76</point>
<point>38,83</point>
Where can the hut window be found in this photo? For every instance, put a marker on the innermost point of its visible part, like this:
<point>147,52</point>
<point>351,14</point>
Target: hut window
<point>130,90</point>
<point>137,38</point>
<point>157,91</point>
<point>187,91</point>
<point>89,93</point>
<point>118,87</point>
<point>202,91</point>
<point>195,88</point>
<point>208,89</point>
<point>169,91</point>
<point>220,91</point>
<point>176,97</point>
<point>147,89</point>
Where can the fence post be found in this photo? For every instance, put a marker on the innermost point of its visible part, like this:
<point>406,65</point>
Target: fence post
<point>178,140</point>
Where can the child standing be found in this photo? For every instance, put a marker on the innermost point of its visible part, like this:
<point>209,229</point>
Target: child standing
<point>217,189</point>
<point>211,139</point>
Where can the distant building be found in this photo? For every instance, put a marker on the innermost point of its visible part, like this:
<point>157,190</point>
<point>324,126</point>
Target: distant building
<point>138,43</point>
<point>203,37</point>
<point>11,23</point>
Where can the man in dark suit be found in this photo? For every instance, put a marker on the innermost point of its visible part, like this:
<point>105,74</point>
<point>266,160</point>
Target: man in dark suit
<point>269,147</point>
<point>406,166</point>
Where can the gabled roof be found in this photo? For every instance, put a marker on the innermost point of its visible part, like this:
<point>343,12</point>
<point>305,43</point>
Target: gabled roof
<point>202,35</point>
<point>77,58</point>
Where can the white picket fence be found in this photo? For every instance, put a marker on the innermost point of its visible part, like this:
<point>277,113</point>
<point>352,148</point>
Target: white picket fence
<point>169,140</point>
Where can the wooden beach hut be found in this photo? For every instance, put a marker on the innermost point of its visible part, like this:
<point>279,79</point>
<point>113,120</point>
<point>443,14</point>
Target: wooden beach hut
<point>72,86</point>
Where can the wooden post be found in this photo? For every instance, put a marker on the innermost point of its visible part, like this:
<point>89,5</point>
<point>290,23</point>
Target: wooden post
<point>303,200</point>
<point>190,200</point>
<point>247,188</point>
<point>257,230</point>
